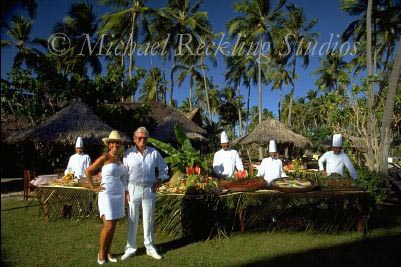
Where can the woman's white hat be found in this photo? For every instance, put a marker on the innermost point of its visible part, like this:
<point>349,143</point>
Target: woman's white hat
<point>223,137</point>
<point>79,142</point>
<point>272,146</point>
<point>113,136</point>
<point>337,140</point>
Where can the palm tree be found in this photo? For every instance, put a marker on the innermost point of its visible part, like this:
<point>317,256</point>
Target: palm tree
<point>298,26</point>
<point>256,24</point>
<point>153,88</point>
<point>208,41</point>
<point>19,31</point>
<point>385,23</point>
<point>388,113</point>
<point>243,68</point>
<point>279,76</point>
<point>194,75</point>
<point>80,23</point>
<point>228,110</point>
<point>333,72</point>
<point>175,22</point>
<point>7,7</point>
<point>126,23</point>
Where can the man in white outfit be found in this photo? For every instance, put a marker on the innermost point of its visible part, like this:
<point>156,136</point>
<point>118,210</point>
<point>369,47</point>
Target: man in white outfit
<point>272,167</point>
<point>336,159</point>
<point>226,160</point>
<point>141,162</point>
<point>78,162</point>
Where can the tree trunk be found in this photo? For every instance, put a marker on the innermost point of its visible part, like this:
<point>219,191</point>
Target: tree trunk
<point>206,94</point>
<point>131,53</point>
<point>247,107</point>
<point>385,133</point>
<point>191,81</point>
<point>172,83</point>
<point>239,112</point>
<point>292,89</point>
<point>371,123</point>
<point>260,92</point>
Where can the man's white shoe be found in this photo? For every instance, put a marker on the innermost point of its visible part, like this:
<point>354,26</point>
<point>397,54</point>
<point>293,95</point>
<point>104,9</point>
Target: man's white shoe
<point>154,254</point>
<point>127,254</point>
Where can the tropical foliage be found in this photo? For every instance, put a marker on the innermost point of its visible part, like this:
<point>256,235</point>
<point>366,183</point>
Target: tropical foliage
<point>183,157</point>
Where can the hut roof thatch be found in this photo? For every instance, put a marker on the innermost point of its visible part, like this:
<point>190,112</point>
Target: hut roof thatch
<point>166,117</point>
<point>65,126</point>
<point>272,129</point>
<point>165,129</point>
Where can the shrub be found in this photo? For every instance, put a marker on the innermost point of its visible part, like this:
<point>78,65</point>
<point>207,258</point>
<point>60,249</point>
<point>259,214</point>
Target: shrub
<point>372,182</point>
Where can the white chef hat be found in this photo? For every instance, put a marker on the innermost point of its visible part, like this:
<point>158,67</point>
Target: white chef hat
<point>337,140</point>
<point>224,137</point>
<point>272,146</point>
<point>79,142</point>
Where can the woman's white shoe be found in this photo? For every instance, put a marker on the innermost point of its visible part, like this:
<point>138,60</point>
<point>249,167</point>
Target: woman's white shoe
<point>100,262</point>
<point>112,259</point>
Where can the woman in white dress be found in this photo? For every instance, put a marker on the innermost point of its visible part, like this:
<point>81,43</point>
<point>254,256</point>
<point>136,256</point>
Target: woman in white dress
<point>111,198</point>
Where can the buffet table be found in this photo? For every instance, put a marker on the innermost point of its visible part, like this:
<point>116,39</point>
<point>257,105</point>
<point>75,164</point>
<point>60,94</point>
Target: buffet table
<point>66,201</point>
<point>202,216</point>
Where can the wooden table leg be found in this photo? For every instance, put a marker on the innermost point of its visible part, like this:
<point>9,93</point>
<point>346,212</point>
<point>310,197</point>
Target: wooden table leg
<point>46,210</point>
<point>241,216</point>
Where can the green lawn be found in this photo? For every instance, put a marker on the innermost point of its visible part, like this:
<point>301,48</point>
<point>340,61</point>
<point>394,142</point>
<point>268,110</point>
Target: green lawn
<point>26,240</point>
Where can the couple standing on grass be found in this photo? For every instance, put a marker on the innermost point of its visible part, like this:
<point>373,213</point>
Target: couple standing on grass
<point>132,179</point>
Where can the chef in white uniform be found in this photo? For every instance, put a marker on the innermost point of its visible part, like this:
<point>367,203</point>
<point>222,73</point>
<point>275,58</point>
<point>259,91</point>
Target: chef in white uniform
<point>226,159</point>
<point>78,162</point>
<point>271,167</point>
<point>336,159</point>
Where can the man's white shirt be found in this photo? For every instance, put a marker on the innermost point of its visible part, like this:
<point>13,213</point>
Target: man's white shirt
<point>141,168</point>
<point>335,163</point>
<point>78,163</point>
<point>225,162</point>
<point>271,169</point>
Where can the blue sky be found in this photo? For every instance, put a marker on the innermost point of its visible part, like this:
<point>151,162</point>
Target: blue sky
<point>331,23</point>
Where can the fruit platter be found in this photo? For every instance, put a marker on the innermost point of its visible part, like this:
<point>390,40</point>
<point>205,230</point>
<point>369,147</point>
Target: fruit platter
<point>293,185</point>
<point>193,184</point>
<point>67,180</point>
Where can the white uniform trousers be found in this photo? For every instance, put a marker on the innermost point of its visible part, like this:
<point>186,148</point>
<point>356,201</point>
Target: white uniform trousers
<point>144,196</point>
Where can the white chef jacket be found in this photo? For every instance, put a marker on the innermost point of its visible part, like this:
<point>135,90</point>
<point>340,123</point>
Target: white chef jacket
<point>225,161</point>
<point>78,163</point>
<point>335,163</point>
<point>142,168</point>
<point>271,169</point>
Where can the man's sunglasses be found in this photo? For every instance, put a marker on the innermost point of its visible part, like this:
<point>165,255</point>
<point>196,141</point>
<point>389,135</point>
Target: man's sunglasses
<point>142,138</point>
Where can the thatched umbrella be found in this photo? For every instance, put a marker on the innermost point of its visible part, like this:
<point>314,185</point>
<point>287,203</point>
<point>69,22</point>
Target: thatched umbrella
<point>65,126</point>
<point>272,129</point>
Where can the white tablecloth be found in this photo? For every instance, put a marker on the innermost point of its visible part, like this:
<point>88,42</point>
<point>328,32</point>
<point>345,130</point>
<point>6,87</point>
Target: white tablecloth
<point>44,179</point>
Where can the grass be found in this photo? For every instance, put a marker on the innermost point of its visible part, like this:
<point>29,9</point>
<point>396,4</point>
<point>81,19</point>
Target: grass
<point>28,241</point>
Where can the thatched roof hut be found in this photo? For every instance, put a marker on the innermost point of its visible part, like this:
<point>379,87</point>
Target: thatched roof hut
<point>165,128</point>
<point>65,126</point>
<point>166,117</point>
<point>272,129</point>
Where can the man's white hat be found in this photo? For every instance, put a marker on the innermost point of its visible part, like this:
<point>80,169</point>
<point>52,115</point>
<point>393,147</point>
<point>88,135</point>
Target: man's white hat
<point>337,140</point>
<point>272,146</point>
<point>224,137</point>
<point>79,142</point>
